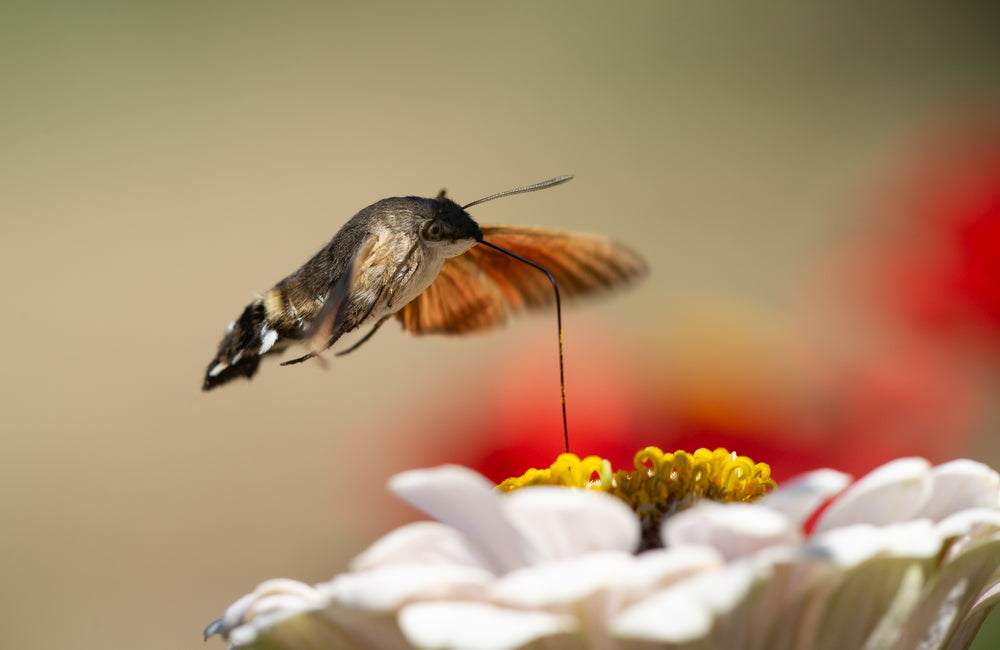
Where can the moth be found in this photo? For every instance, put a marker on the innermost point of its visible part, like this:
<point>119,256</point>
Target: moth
<point>427,263</point>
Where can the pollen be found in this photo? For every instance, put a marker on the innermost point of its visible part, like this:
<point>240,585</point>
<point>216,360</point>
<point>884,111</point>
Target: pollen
<point>660,484</point>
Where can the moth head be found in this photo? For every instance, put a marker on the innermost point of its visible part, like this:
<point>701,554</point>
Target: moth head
<point>450,229</point>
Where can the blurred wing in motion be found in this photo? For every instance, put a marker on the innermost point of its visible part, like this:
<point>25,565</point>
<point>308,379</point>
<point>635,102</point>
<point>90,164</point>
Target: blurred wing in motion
<point>477,289</point>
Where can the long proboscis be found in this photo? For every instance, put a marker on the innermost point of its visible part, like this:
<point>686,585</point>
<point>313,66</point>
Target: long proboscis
<point>559,180</point>
<point>562,373</point>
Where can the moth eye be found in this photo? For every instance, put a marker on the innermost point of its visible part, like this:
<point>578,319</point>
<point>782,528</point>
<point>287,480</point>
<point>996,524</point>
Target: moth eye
<point>433,231</point>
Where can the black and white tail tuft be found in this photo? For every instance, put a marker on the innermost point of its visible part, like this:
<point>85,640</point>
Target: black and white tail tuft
<point>246,340</point>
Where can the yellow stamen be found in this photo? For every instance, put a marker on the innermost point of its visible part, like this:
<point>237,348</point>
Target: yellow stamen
<point>568,471</point>
<point>661,483</point>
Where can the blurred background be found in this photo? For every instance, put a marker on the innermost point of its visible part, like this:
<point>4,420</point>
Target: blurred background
<point>816,189</point>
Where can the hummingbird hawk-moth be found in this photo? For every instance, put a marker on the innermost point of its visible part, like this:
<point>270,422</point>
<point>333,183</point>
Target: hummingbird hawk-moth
<point>417,259</point>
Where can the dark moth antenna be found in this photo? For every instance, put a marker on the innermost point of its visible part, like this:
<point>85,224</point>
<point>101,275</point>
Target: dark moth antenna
<point>552,182</point>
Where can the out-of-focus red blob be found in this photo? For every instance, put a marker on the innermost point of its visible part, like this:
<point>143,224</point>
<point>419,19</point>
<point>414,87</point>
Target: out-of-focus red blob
<point>942,257</point>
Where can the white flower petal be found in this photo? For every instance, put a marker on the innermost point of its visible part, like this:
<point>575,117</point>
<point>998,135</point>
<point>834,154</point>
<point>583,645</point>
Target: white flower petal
<point>596,586</point>
<point>671,617</point>
<point>267,597</point>
<point>733,529</point>
<point>333,626</point>
<point>959,485</point>
<point>562,581</point>
<point>964,633</point>
<point>477,626</point>
<point>852,545</point>
<point>861,570</point>
<point>687,610</point>
<point>853,588</point>
<point>965,523</point>
<point>294,628</point>
<point>989,597</point>
<point>388,588</point>
<point>941,611</point>
<point>893,492</point>
<point>234,616</point>
<point>563,522</point>
<point>889,586</point>
<point>965,587</point>
<point>423,542</point>
<point>661,567</point>
<point>465,500</point>
<point>800,497</point>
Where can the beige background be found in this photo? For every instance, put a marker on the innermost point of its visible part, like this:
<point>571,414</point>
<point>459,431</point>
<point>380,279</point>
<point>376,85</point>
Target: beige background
<point>159,165</point>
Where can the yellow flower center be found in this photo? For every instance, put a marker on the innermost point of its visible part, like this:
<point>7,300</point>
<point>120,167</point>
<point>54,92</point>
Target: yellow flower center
<point>660,484</point>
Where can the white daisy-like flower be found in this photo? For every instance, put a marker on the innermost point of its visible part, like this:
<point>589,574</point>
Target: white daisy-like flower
<point>906,557</point>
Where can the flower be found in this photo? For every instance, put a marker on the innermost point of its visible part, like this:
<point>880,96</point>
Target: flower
<point>905,557</point>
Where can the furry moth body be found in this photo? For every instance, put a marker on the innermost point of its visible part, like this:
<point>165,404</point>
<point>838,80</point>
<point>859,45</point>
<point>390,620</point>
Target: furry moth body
<point>416,259</point>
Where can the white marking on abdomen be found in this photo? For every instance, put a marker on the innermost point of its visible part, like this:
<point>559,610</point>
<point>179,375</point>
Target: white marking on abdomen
<point>268,337</point>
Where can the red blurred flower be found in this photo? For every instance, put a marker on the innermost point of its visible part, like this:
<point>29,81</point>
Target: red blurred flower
<point>942,260</point>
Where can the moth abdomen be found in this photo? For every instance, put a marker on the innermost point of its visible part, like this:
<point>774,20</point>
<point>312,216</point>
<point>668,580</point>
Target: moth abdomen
<point>267,325</point>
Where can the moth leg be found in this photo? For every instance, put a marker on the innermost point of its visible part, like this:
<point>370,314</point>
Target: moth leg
<point>367,336</point>
<point>304,357</point>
